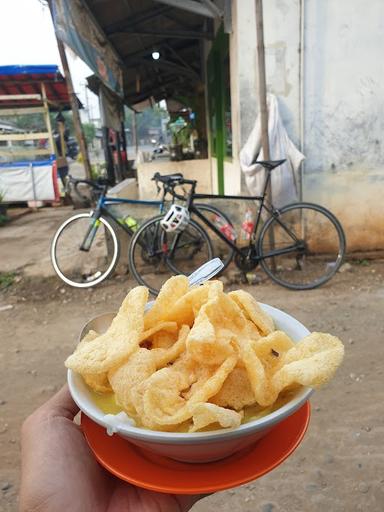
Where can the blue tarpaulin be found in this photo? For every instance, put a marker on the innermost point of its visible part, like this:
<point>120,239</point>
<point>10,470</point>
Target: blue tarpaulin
<point>29,69</point>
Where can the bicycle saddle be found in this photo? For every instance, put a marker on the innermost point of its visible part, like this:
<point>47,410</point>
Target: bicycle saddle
<point>270,164</point>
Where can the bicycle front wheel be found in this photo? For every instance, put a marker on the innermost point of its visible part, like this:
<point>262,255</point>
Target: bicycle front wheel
<point>302,246</point>
<point>79,268</point>
<point>154,255</point>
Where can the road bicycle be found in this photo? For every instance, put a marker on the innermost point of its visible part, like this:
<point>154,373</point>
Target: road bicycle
<point>85,249</point>
<point>300,246</point>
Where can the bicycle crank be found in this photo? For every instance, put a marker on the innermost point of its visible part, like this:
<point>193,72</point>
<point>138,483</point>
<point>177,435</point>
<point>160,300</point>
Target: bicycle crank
<point>246,260</point>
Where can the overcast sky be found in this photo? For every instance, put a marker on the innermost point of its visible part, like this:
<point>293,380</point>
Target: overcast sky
<point>27,37</point>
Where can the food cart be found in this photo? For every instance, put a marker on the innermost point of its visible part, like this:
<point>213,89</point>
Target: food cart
<point>28,156</point>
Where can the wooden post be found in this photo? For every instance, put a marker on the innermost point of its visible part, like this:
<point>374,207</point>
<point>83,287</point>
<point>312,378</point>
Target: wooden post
<point>263,101</point>
<point>75,111</point>
<point>119,163</point>
<point>135,141</point>
<point>262,79</point>
<point>108,156</point>
<point>47,118</point>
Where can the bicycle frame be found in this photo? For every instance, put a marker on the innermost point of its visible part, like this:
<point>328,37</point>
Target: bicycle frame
<point>105,201</point>
<point>102,210</point>
<point>272,211</point>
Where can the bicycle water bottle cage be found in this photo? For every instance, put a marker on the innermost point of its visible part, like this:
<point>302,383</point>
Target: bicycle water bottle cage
<point>176,219</point>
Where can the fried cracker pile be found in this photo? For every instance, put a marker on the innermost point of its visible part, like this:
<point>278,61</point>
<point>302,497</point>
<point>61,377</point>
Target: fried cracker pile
<point>199,358</point>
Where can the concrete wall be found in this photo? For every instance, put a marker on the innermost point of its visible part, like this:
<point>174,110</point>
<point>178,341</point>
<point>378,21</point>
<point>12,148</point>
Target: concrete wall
<point>344,115</point>
<point>332,102</point>
<point>199,170</point>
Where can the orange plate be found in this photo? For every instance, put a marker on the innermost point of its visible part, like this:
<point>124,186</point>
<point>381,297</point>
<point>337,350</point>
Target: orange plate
<point>161,474</point>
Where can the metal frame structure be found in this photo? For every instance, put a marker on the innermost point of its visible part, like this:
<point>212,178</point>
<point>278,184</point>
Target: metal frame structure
<point>27,91</point>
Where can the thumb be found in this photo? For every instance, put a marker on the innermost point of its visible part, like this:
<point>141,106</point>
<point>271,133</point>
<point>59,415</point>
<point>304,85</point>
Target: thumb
<point>61,404</point>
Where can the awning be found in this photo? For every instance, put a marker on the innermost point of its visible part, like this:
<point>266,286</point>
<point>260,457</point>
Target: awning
<point>76,27</point>
<point>17,81</point>
<point>132,31</point>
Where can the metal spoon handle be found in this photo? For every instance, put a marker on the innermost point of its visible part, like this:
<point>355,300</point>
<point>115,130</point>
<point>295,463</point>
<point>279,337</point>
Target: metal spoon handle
<point>205,272</point>
<point>201,274</point>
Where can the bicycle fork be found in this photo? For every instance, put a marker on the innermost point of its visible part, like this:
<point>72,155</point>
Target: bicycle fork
<point>94,225</point>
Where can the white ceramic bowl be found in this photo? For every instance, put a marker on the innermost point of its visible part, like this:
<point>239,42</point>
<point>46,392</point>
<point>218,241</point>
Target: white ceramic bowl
<point>198,446</point>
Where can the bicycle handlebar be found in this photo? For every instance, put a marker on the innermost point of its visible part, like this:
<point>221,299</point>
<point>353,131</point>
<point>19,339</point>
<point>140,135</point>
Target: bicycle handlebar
<point>172,179</point>
<point>99,184</point>
<point>167,178</point>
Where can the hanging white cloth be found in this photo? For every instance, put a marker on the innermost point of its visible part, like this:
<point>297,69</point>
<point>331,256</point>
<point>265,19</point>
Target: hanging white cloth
<point>283,181</point>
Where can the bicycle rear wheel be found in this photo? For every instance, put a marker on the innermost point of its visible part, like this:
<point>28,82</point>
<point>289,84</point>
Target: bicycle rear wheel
<point>83,269</point>
<point>224,224</point>
<point>314,245</point>
<point>154,255</point>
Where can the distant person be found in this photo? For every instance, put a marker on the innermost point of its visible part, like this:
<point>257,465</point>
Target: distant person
<point>61,137</point>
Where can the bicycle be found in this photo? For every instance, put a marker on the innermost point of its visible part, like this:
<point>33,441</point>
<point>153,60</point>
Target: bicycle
<point>82,253</point>
<point>300,246</point>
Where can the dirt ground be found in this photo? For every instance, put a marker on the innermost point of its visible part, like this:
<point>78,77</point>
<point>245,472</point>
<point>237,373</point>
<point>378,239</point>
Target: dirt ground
<point>339,465</point>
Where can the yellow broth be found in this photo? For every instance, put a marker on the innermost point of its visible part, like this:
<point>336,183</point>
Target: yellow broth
<point>107,403</point>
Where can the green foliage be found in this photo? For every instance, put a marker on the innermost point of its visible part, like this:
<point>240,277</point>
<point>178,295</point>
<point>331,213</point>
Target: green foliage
<point>6,279</point>
<point>3,219</point>
<point>68,122</point>
<point>180,134</point>
<point>30,122</point>
<point>3,210</point>
<point>149,118</point>
<point>36,122</point>
<point>89,132</point>
<point>98,170</point>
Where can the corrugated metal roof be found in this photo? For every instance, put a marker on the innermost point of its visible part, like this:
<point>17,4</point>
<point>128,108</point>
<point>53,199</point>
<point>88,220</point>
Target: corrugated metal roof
<point>137,28</point>
<point>22,80</point>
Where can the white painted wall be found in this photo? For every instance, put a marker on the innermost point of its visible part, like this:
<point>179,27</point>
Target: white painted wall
<point>344,115</point>
<point>245,97</point>
<point>343,84</point>
<point>343,100</point>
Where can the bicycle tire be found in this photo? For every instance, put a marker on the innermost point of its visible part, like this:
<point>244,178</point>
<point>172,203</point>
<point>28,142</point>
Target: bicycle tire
<point>221,249</point>
<point>151,238</point>
<point>331,234</point>
<point>55,249</point>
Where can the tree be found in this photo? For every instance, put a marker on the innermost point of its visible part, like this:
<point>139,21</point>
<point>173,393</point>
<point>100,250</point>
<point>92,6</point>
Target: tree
<point>89,132</point>
<point>149,118</point>
<point>36,122</point>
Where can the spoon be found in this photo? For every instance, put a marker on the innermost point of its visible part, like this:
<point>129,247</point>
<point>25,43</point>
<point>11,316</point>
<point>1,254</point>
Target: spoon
<point>205,272</point>
<point>200,275</point>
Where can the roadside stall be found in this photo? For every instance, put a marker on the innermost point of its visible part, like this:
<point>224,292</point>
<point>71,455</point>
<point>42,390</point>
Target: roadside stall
<point>29,155</point>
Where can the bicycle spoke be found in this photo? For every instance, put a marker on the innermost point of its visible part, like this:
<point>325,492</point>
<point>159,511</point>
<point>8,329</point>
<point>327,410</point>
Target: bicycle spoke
<point>79,267</point>
<point>308,248</point>
<point>156,255</point>
<point>221,221</point>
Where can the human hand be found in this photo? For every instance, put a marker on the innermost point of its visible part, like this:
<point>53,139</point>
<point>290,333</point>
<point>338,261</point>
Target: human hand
<point>59,472</point>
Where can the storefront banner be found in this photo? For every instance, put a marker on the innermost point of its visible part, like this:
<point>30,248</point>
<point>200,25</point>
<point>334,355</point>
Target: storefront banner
<point>75,26</point>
